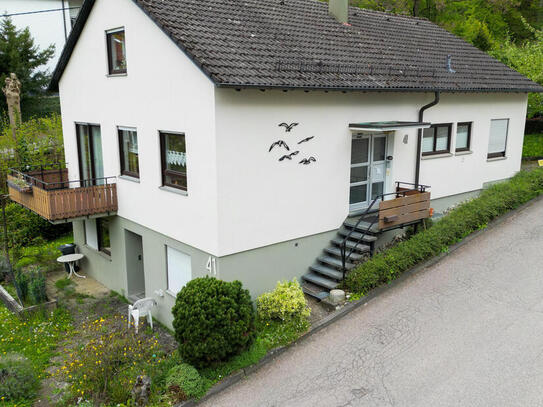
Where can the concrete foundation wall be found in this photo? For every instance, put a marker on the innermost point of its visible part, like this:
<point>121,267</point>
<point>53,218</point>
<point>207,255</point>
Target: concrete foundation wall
<point>259,270</point>
<point>113,271</point>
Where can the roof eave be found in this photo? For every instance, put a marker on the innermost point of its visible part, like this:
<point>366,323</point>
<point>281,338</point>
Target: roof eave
<point>70,44</point>
<point>78,29</point>
<point>376,89</point>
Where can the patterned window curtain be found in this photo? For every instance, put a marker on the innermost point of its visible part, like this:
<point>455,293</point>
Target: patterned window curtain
<point>176,158</point>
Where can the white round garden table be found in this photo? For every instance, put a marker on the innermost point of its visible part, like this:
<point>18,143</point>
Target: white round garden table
<point>71,259</point>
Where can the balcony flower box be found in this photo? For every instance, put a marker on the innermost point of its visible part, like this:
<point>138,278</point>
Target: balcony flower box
<point>20,185</point>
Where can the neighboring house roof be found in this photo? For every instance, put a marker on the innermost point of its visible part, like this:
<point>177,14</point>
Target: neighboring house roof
<point>297,44</point>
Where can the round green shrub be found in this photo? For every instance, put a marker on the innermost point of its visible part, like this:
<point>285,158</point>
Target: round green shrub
<point>213,320</point>
<point>185,381</point>
<point>17,378</point>
<point>285,303</point>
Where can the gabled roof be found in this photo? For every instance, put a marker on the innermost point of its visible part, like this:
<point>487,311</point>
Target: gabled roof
<point>296,44</point>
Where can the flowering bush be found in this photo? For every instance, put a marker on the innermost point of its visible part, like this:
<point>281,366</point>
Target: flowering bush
<point>104,369</point>
<point>285,303</point>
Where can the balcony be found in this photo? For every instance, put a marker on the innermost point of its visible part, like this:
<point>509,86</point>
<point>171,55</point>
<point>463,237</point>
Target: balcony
<point>47,191</point>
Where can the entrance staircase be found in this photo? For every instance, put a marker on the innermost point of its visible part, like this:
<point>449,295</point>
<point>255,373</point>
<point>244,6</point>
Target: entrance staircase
<point>356,239</point>
<point>326,273</point>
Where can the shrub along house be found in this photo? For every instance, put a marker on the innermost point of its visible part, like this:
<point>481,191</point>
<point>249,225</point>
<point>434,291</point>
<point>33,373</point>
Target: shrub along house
<point>242,135</point>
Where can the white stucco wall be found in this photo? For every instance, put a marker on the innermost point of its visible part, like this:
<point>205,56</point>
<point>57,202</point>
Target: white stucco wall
<point>263,201</point>
<point>46,28</point>
<point>239,196</point>
<point>163,90</point>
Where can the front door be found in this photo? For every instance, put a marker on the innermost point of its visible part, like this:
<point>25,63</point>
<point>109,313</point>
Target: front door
<point>368,169</point>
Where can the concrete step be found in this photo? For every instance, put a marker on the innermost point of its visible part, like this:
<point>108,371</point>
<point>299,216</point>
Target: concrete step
<point>368,238</point>
<point>360,247</point>
<point>320,281</point>
<point>334,262</point>
<point>336,251</point>
<point>362,226</point>
<point>327,271</point>
<point>318,294</point>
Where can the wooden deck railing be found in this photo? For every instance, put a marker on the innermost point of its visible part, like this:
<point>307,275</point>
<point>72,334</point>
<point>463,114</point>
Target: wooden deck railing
<point>60,200</point>
<point>413,206</point>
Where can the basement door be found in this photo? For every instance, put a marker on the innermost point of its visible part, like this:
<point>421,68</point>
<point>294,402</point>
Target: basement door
<point>368,169</point>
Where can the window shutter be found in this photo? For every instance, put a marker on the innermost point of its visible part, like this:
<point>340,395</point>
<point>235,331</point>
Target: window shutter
<point>179,270</point>
<point>498,136</point>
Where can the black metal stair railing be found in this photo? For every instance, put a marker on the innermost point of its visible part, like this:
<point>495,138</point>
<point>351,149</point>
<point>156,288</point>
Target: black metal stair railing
<point>400,192</point>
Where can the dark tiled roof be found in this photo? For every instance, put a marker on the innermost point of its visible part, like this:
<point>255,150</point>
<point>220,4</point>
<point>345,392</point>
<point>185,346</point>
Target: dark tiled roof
<point>297,44</point>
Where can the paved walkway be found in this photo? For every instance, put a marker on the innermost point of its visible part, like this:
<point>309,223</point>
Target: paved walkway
<point>466,332</point>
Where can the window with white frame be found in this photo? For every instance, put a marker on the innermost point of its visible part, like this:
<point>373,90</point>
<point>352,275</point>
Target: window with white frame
<point>179,269</point>
<point>498,138</point>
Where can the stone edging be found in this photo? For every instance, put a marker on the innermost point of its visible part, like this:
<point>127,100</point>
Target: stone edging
<point>350,306</point>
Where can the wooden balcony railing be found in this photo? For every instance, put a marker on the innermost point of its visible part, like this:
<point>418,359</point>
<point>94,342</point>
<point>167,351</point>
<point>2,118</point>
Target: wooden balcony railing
<point>50,194</point>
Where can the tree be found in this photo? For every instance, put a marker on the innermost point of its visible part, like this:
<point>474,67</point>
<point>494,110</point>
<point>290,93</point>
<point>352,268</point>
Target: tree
<point>19,54</point>
<point>527,59</point>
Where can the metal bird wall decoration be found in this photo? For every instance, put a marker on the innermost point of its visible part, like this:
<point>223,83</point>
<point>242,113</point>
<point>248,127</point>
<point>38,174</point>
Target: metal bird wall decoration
<point>307,161</point>
<point>288,156</point>
<point>279,143</point>
<point>305,140</point>
<point>288,127</point>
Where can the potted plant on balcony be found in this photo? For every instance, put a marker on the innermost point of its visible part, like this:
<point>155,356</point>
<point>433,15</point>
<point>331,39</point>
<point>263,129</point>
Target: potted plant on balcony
<point>20,184</point>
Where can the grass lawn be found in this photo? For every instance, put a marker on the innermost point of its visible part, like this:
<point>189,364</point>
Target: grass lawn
<point>35,338</point>
<point>533,146</point>
<point>43,255</point>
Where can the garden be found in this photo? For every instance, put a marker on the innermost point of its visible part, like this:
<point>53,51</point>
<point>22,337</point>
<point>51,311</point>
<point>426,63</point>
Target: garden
<point>83,351</point>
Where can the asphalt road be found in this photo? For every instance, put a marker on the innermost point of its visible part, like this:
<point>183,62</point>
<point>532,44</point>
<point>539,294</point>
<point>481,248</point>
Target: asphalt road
<point>465,332</point>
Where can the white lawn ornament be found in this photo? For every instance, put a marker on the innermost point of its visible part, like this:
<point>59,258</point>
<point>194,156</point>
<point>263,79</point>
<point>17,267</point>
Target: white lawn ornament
<point>141,308</point>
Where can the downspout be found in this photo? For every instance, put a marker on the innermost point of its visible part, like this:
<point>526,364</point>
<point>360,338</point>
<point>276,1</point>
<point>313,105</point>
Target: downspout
<point>419,138</point>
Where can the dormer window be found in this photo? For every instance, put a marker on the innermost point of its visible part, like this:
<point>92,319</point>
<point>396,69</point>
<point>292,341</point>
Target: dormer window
<point>116,51</point>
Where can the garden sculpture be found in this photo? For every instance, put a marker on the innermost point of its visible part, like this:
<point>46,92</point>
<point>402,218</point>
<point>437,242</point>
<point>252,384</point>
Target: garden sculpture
<point>141,391</point>
<point>12,90</point>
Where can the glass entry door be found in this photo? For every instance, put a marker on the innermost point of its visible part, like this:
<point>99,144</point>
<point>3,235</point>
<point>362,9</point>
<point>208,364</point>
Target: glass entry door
<point>368,169</point>
<point>89,146</point>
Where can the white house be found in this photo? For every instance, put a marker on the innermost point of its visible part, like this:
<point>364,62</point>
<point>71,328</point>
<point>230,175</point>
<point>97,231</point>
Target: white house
<point>184,104</point>
<point>49,21</point>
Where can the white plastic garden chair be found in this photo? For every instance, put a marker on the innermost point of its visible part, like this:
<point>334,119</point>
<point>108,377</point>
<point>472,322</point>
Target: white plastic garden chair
<point>140,309</point>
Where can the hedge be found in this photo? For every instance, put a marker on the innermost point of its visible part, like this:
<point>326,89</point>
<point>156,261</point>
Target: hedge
<point>452,228</point>
<point>534,125</point>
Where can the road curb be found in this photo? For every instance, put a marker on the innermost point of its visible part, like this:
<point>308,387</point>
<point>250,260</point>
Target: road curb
<point>351,306</point>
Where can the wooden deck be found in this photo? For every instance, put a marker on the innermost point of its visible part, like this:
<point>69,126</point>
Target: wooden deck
<point>55,201</point>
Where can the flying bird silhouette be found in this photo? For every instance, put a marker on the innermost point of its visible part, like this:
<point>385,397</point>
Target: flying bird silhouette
<point>288,127</point>
<point>307,161</point>
<point>289,156</point>
<point>279,143</point>
<point>305,140</point>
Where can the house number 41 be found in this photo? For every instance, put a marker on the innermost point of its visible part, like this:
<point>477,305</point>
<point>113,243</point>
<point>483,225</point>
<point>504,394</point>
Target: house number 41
<point>212,265</point>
